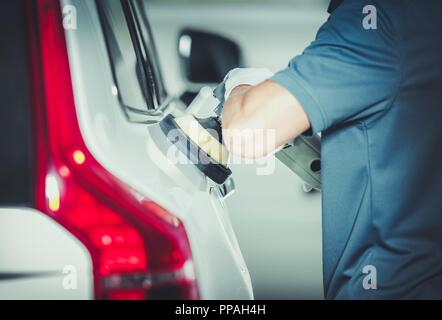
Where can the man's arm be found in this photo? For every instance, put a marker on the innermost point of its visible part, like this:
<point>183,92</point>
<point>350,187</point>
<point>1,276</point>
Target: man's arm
<point>269,112</point>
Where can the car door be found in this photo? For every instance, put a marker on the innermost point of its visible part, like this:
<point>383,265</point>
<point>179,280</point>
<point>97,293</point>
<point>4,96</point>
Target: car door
<point>120,100</point>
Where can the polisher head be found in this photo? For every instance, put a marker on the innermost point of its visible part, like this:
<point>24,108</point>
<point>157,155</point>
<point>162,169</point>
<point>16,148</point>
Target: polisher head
<point>200,140</point>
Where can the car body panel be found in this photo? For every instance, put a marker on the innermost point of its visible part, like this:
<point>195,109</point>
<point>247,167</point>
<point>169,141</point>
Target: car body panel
<point>40,259</point>
<point>137,155</point>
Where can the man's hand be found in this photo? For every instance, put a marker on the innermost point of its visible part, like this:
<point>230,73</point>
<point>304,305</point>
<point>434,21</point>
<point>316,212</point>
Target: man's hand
<point>258,120</point>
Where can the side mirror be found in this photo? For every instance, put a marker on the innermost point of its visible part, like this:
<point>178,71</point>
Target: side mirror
<point>205,57</point>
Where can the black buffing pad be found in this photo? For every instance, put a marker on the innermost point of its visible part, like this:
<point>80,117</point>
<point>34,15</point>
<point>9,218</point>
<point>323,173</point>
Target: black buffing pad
<point>214,170</point>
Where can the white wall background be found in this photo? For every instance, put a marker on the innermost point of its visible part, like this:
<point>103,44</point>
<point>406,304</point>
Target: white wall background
<point>278,226</point>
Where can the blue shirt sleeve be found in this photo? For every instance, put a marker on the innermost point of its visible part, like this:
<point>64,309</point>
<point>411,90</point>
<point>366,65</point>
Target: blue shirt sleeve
<point>348,73</point>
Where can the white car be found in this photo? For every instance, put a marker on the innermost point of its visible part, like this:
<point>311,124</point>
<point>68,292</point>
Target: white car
<point>91,207</point>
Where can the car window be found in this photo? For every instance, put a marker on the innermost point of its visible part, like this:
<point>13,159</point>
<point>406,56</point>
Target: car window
<point>131,80</point>
<point>151,58</point>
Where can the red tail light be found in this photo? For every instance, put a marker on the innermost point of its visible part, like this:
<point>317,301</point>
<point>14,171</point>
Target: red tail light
<point>138,249</point>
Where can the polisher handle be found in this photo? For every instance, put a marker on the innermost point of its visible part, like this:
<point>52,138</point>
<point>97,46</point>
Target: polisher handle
<point>303,157</point>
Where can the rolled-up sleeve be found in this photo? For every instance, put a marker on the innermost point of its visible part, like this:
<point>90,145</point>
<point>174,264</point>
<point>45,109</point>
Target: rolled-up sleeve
<point>348,73</point>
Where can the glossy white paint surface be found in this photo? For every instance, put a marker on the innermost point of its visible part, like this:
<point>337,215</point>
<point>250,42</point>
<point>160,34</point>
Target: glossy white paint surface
<point>136,154</point>
<point>54,263</point>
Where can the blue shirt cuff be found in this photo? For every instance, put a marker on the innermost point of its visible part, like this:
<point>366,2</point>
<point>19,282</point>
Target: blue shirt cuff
<point>288,79</point>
